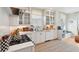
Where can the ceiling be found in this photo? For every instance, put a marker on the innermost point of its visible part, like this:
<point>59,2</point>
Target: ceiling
<point>67,10</point>
<point>61,9</point>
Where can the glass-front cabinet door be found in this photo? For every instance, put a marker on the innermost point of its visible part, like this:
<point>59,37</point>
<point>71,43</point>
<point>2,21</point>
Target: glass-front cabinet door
<point>20,20</point>
<point>50,18</point>
<point>26,18</point>
<point>47,20</point>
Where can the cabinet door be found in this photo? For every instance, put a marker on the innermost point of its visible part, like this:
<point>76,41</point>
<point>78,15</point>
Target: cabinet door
<point>54,34</point>
<point>42,37</point>
<point>34,37</point>
<point>39,37</point>
<point>48,35</point>
<point>51,35</point>
<point>47,20</point>
<point>26,18</point>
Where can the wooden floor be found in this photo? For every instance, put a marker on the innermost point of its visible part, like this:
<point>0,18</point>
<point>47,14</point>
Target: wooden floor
<point>57,46</point>
<point>71,41</point>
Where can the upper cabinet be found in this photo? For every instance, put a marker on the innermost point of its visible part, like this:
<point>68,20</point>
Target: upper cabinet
<point>32,16</point>
<point>25,16</point>
<point>49,17</point>
<point>24,19</point>
<point>21,17</point>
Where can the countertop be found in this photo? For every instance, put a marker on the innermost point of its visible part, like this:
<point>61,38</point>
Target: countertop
<point>24,32</point>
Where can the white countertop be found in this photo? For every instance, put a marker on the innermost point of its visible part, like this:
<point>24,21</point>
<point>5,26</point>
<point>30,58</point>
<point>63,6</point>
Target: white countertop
<point>20,46</point>
<point>25,32</point>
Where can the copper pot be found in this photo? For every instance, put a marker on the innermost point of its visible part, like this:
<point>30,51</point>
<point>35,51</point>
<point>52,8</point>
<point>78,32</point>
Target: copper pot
<point>77,39</point>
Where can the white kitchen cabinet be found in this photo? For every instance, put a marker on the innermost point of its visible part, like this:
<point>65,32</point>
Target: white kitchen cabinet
<point>16,20</point>
<point>49,15</point>
<point>33,37</point>
<point>50,35</point>
<point>40,37</point>
<point>26,18</point>
<point>54,34</point>
<point>49,20</point>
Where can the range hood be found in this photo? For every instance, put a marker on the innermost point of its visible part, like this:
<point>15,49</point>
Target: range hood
<point>15,11</point>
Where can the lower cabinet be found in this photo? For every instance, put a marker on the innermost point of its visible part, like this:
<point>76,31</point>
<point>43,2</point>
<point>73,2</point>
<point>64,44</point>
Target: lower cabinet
<point>54,34</point>
<point>42,34</point>
<point>50,35</point>
<point>33,37</point>
<point>39,37</point>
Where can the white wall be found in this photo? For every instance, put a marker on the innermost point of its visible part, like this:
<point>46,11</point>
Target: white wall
<point>60,18</point>
<point>4,21</point>
<point>37,17</point>
<point>36,11</point>
<point>4,17</point>
<point>72,23</point>
<point>14,20</point>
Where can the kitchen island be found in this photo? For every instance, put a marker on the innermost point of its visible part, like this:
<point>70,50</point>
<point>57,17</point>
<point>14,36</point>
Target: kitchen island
<point>24,47</point>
